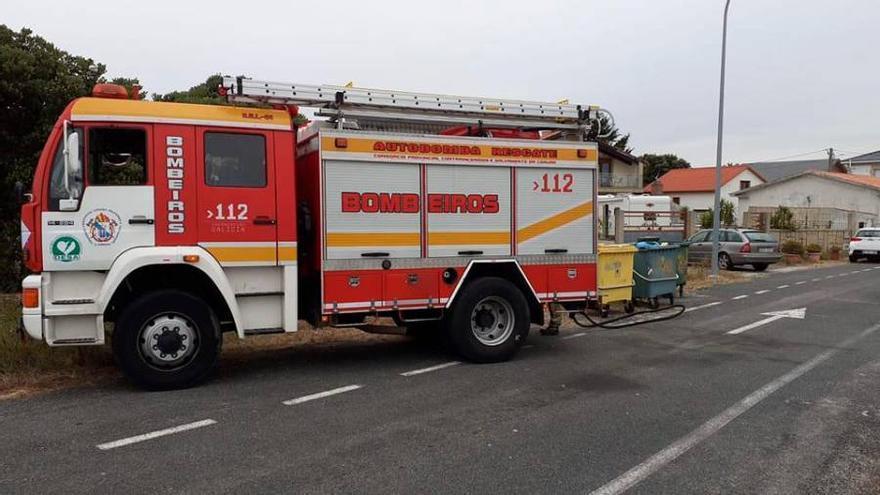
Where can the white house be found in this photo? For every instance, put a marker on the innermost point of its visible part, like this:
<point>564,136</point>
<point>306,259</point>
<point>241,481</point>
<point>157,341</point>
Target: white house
<point>854,200</point>
<point>694,188</point>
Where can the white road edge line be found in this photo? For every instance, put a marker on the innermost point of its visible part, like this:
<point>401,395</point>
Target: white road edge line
<point>574,335</point>
<point>758,293</point>
<point>709,305</point>
<point>430,368</point>
<point>155,434</point>
<point>784,286</point>
<point>743,296</point>
<point>321,395</point>
<point>657,461</point>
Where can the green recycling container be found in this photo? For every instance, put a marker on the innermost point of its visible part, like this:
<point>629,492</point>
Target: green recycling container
<point>655,273</point>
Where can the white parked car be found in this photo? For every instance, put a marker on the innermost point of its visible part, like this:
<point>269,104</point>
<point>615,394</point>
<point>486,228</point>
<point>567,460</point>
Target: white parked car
<point>865,244</point>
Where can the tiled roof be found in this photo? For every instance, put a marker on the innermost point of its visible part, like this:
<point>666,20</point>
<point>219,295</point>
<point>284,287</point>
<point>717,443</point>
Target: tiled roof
<point>701,179</point>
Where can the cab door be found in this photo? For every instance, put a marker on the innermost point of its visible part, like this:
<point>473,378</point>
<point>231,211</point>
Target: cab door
<point>237,205</point>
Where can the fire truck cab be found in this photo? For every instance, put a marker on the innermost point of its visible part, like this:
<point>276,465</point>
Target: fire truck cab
<point>179,222</point>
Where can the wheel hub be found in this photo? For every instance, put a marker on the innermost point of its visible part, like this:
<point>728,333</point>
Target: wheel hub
<point>492,321</point>
<point>168,341</point>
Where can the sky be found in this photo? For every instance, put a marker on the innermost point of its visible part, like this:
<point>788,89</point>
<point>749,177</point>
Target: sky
<point>802,75</point>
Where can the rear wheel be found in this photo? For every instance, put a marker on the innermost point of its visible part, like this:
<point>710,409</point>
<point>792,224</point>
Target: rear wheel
<point>489,321</point>
<point>167,339</point>
<point>760,267</point>
<point>724,262</point>
<point>853,258</point>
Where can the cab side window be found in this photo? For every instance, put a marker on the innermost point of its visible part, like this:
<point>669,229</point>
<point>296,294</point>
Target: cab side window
<point>235,160</point>
<point>117,157</point>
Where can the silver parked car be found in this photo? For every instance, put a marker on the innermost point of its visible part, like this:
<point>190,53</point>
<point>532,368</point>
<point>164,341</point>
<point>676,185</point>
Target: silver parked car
<point>738,247</point>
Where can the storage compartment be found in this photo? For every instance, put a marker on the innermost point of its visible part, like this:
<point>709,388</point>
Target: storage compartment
<point>408,287</point>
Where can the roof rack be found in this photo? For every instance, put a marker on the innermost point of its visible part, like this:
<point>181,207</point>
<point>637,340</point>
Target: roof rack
<point>380,106</point>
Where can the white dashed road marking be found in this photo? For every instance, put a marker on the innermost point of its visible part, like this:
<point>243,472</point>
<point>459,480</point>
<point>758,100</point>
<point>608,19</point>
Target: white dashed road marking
<point>854,272</point>
<point>743,296</point>
<point>709,305</point>
<point>802,282</point>
<point>657,461</point>
<point>816,279</point>
<point>783,286</point>
<point>155,434</point>
<point>321,395</point>
<point>574,336</point>
<point>867,269</point>
<point>430,368</point>
<point>762,292</point>
<point>829,276</point>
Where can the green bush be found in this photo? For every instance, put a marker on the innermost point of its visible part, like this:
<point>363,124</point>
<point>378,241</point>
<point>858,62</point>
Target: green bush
<point>792,247</point>
<point>782,219</point>
<point>814,248</point>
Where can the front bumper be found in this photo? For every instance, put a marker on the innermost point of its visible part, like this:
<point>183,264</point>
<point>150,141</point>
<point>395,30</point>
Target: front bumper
<point>32,318</point>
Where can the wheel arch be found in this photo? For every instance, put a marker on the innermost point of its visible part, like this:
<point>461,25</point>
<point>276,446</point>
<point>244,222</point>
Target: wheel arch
<point>509,270</point>
<point>141,270</point>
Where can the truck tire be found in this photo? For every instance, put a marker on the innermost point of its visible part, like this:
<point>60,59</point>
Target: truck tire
<point>489,321</point>
<point>166,340</point>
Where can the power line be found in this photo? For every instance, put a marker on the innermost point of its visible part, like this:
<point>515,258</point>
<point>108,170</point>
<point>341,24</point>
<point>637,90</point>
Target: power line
<point>823,150</point>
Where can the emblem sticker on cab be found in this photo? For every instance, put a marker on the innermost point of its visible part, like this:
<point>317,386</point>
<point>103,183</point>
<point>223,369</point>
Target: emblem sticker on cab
<point>66,249</point>
<point>101,227</point>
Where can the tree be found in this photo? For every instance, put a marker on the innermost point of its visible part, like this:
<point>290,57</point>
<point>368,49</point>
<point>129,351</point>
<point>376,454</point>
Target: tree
<point>206,93</point>
<point>611,133</point>
<point>727,216</point>
<point>657,165</point>
<point>37,81</point>
<point>782,219</point>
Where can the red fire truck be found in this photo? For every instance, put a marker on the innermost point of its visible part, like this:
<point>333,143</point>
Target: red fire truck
<point>178,222</point>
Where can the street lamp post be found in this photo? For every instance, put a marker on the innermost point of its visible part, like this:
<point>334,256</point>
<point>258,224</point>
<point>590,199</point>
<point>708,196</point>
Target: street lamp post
<point>716,219</point>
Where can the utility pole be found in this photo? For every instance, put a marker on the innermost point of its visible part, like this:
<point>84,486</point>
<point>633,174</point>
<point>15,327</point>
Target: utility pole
<point>716,220</point>
<point>830,159</point>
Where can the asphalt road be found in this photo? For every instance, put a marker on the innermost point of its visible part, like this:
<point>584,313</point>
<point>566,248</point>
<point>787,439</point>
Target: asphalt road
<point>682,406</point>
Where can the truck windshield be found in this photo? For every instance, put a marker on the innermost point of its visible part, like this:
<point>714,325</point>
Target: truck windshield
<point>57,191</point>
<point>759,237</point>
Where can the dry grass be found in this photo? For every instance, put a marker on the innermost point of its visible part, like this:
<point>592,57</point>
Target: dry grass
<point>28,367</point>
<point>699,277</point>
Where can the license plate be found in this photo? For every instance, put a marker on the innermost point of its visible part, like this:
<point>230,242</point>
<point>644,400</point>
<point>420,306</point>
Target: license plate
<point>869,252</point>
<point>765,250</point>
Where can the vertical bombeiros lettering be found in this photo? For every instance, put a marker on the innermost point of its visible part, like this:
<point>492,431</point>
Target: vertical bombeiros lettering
<point>174,174</point>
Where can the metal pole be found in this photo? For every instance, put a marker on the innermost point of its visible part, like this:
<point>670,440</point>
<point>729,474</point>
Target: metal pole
<point>716,220</point>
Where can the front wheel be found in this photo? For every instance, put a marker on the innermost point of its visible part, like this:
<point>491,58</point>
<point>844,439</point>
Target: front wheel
<point>167,339</point>
<point>490,320</point>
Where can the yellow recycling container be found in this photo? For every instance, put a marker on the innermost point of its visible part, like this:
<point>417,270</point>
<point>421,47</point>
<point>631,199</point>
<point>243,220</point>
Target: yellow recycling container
<point>616,275</point>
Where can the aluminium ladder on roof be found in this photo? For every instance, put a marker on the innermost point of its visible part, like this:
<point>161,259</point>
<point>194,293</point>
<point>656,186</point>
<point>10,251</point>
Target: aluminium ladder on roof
<point>379,105</point>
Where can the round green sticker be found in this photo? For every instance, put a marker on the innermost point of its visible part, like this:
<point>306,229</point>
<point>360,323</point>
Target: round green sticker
<point>66,248</point>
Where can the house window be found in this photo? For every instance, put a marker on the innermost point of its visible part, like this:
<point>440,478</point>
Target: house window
<point>676,200</point>
<point>745,184</point>
<point>605,176</point>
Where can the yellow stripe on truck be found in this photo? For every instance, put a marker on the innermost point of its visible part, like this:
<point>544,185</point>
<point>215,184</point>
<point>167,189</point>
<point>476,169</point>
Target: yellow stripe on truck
<point>554,222</point>
<point>149,111</point>
<point>372,239</point>
<point>243,254</point>
<point>464,238</point>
